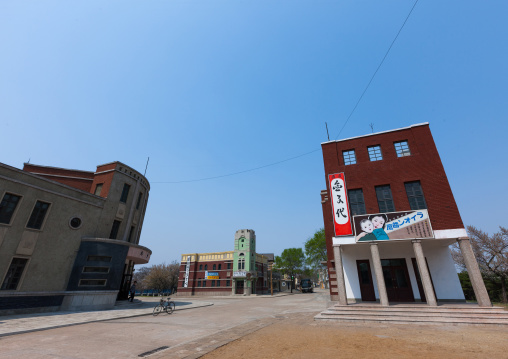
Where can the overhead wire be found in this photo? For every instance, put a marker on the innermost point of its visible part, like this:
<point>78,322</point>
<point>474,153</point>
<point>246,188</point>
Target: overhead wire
<point>342,128</point>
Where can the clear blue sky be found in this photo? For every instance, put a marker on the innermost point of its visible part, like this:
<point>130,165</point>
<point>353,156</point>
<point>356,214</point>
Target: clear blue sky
<point>210,87</point>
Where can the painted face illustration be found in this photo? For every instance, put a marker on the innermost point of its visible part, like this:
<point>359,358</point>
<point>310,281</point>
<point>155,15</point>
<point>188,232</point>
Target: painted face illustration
<point>367,226</point>
<point>378,222</point>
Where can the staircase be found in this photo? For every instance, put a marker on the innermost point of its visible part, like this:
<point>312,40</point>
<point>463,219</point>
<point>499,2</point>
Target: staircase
<point>443,314</point>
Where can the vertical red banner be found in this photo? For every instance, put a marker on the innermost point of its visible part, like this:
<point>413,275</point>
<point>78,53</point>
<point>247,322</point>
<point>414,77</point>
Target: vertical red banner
<point>340,205</point>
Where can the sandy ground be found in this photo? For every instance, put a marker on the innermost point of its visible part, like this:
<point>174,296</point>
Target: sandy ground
<point>299,336</point>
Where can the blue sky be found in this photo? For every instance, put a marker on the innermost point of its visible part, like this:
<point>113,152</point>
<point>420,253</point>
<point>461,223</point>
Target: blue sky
<point>208,87</point>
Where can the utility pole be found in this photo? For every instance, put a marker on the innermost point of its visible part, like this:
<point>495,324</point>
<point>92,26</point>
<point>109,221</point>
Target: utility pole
<point>271,279</point>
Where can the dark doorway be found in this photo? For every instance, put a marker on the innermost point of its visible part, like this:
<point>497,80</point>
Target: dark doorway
<point>398,285</point>
<point>240,286</point>
<point>419,279</point>
<point>365,279</point>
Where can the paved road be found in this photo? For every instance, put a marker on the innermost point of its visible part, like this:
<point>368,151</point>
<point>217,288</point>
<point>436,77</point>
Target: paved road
<point>184,334</point>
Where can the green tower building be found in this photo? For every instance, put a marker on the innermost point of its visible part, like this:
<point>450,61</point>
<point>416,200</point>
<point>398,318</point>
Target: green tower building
<point>244,262</point>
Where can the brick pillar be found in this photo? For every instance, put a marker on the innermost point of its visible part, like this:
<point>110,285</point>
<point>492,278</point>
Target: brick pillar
<point>474,273</point>
<point>378,270</point>
<point>424,273</point>
<point>339,270</point>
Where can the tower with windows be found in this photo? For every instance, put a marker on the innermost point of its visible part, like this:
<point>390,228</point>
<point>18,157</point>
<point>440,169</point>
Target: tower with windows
<point>244,262</point>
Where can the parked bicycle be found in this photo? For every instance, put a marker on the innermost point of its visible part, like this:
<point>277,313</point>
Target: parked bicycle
<point>164,306</point>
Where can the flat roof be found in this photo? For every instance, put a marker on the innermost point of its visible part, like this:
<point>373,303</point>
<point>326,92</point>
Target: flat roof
<point>377,133</point>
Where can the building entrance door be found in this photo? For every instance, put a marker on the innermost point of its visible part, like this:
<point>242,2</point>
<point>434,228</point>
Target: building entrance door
<point>365,279</point>
<point>398,285</point>
<point>240,286</point>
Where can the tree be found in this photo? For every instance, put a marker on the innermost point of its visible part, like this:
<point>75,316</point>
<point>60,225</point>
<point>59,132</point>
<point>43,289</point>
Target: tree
<point>162,277</point>
<point>491,252</point>
<point>315,249</point>
<point>139,276</point>
<point>290,262</point>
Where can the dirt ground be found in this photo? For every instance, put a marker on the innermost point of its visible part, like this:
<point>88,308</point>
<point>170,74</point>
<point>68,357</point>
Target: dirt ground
<point>299,336</point>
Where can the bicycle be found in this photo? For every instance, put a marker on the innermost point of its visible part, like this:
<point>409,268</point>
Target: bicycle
<point>164,306</point>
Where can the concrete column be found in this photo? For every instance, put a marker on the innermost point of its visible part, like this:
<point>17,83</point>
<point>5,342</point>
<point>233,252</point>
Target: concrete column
<point>341,283</point>
<point>378,271</point>
<point>234,287</point>
<point>474,273</point>
<point>424,273</point>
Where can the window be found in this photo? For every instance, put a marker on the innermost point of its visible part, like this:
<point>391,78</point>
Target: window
<point>228,283</point>
<point>415,195</point>
<point>114,229</point>
<point>125,193</point>
<point>95,269</point>
<point>38,215</point>
<point>98,189</point>
<point>384,199</point>
<point>375,153</point>
<point>349,157</point>
<point>206,266</point>
<point>218,283</point>
<point>229,265</point>
<point>75,222</point>
<point>204,283</point>
<point>140,196</point>
<point>356,202</point>
<point>7,207</point>
<point>200,267</point>
<point>199,283</point>
<point>92,282</point>
<point>131,233</point>
<point>214,267</point>
<point>213,283</point>
<point>220,265</point>
<point>98,259</point>
<point>14,274</point>
<point>402,149</point>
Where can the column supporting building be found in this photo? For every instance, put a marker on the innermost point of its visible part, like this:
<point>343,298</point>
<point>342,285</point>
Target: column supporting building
<point>482,296</point>
<point>378,270</point>
<point>339,270</point>
<point>424,273</point>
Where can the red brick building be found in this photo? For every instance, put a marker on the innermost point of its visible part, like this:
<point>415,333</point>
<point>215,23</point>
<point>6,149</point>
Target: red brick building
<point>395,213</point>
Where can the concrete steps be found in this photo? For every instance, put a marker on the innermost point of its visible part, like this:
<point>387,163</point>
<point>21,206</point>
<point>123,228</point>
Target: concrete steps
<point>416,314</point>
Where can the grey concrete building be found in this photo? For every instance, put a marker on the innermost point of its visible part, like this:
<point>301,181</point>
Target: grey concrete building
<point>69,239</point>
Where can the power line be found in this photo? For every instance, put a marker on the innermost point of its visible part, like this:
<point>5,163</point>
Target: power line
<point>342,128</point>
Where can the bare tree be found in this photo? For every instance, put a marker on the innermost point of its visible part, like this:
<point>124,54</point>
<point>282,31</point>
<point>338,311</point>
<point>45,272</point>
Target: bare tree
<point>491,252</point>
<point>139,276</point>
<point>162,277</point>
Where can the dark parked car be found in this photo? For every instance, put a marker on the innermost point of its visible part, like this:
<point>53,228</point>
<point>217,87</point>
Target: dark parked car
<point>306,286</point>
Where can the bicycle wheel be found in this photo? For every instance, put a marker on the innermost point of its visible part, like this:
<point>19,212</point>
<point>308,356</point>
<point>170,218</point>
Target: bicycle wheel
<point>172,305</point>
<point>157,309</point>
<point>169,308</point>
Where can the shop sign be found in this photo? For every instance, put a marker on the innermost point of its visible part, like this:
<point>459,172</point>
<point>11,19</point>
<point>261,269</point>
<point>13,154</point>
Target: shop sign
<point>240,274</point>
<point>393,226</point>
<point>211,275</point>
<point>340,206</point>
<point>187,271</point>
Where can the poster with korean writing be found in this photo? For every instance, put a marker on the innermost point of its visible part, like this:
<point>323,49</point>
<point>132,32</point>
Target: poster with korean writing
<point>393,226</point>
<point>340,207</point>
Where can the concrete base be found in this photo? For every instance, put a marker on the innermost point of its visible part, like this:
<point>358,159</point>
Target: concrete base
<point>93,300</point>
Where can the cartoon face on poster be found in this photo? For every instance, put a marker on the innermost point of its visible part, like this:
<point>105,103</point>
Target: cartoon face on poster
<point>340,207</point>
<point>393,226</point>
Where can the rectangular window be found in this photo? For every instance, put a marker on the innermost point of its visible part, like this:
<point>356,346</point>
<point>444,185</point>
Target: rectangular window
<point>415,195</point>
<point>218,283</point>
<point>220,266</point>
<point>229,265</point>
<point>38,215</point>
<point>125,193</point>
<point>199,283</point>
<point>140,196</point>
<point>349,157</point>
<point>98,259</point>
<point>228,283</point>
<point>14,274</point>
<point>98,189</point>
<point>130,233</point>
<point>7,207</point>
<point>375,153</point>
<point>95,269</point>
<point>114,229</point>
<point>213,283</point>
<point>402,148</point>
<point>204,283</point>
<point>356,202</point>
<point>92,282</point>
<point>384,199</point>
